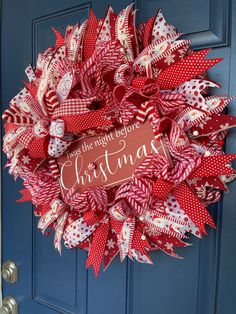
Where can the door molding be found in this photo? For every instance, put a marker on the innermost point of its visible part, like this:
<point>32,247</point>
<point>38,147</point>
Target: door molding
<point>217,34</point>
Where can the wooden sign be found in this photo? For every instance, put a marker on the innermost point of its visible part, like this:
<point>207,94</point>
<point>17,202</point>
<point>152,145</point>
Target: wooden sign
<point>108,159</point>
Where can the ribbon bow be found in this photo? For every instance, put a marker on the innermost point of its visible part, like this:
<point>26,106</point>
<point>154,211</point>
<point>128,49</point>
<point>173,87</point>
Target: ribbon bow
<point>39,134</point>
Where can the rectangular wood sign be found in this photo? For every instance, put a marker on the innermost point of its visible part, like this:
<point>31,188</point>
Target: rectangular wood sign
<point>108,159</point>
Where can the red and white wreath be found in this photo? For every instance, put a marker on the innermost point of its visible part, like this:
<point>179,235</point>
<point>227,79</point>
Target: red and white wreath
<point>101,75</point>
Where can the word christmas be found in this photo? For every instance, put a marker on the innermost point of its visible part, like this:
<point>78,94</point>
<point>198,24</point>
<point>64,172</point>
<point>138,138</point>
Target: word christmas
<point>108,160</point>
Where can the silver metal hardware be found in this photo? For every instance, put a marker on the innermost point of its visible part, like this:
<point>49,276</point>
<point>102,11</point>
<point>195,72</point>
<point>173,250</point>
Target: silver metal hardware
<point>9,306</point>
<point>9,272</point>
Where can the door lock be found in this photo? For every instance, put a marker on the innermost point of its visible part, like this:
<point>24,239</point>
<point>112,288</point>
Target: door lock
<point>9,306</point>
<point>9,272</point>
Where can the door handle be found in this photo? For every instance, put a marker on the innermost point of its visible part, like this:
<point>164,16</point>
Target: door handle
<point>10,272</point>
<point>9,306</point>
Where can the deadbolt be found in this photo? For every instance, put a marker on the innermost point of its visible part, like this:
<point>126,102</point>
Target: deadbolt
<point>9,272</point>
<point>9,306</point>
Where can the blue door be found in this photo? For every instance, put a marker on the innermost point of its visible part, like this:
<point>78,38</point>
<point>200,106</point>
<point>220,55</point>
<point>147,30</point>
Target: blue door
<point>204,281</point>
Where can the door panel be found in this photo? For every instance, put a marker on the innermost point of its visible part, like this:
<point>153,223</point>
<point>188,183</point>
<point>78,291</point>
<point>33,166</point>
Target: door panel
<point>41,26</point>
<point>205,22</point>
<point>50,283</point>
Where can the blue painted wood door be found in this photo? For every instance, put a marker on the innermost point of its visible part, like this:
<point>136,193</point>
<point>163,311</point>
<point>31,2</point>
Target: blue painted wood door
<point>202,283</point>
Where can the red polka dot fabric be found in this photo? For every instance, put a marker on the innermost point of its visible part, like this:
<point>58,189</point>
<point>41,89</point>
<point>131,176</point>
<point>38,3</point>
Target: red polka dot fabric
<point>140,82</point>
<point>90,36</point>
<point>97,249</point>
<point>38,148</point>
<point>89,120</point>
<point>147,31</point>
<point>162,188</point>
<point>194,208</point>
<point>214,166</point>
<point>185,69</point>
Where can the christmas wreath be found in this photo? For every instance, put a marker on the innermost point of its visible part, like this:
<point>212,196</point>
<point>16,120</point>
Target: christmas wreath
<point>105,77</point>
